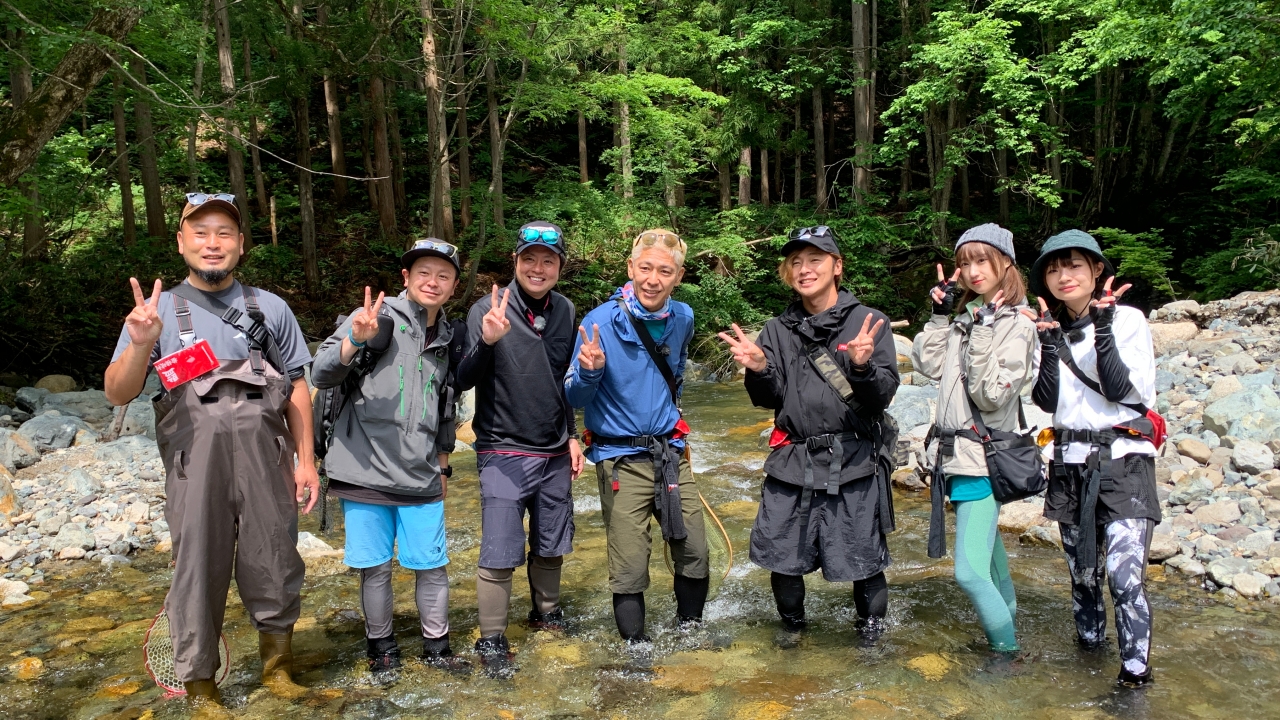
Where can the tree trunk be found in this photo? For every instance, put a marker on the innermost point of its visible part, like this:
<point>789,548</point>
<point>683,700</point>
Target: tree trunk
<point>259,183</point>
<point>795,191</point>
<point>382,158</point>
<point>744,177</point>
<point>819,152</point>
<point>122,166</point>
<point>197,82</point>
<point>939,123</point>
<point>32,217</point>
<point>1167,150</point>
<point>25,130</point>
<point>147,154</point>
<point>366,145</point>
<point>726,183</point>
<point>1002,174</point>
<point>496,146</point>
<point>582,147</point>
<point>337,152</point>
<point>964,190</point>
<point>764,178</point>
<point>864,101</point>
<point>461,122</point>
<point>437,128</point>
<point>397,151</point>
<point>306,204</point>
<point>235,158</point>
<point>624,126</point>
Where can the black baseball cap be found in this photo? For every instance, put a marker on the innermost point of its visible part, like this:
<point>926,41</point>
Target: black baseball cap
<point>431,247</point>
<point>540,234</point>
<point>820,236</point>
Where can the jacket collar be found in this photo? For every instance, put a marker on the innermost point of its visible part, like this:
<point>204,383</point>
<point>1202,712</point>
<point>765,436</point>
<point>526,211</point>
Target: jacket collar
<point>822,326</point>
<point>408,312</point>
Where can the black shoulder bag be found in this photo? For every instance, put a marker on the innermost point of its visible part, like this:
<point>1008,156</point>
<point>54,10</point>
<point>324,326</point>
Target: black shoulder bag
<point>1014,464</point>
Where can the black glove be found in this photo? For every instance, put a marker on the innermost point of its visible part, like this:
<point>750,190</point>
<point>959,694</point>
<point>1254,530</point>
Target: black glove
<point>948,303</point>
<point>1102,317</point>
<point>986,315</point>
<point>1049,336</point>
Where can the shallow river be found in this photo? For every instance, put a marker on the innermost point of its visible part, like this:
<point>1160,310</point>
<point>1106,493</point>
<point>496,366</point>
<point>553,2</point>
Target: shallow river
<point>82,641</point>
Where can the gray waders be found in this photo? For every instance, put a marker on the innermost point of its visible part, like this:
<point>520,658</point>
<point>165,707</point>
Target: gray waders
<point>228,458</point>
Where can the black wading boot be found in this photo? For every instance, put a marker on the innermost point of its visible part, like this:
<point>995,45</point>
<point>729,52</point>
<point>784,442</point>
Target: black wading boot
<point>384,654</point>
<point>551,621</point>
<point>495,656</point>
<point>437,653</point>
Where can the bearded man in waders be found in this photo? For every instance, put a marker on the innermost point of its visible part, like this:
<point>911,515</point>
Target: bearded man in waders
<point>627,375</point>
<point>518,350</point>
<point>228,438</point>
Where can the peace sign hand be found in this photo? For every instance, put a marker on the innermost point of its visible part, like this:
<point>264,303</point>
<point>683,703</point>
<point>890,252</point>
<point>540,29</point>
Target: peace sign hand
<point>861,347</point>
<point>364,324</point>
<point>745,353</point>
<point>1048,328</point>
<point>986,314</point>
<point>143,322</point>
<point>1103,309</point>
<point>590,356</point>
<point>494,325</point>
<point>943,294</point>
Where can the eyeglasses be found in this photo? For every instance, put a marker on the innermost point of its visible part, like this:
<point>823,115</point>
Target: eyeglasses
<point>806,233</point>
<point>444,248</point>
<point>548,236</point>
<point>202,198</point>
<point>669,239</point>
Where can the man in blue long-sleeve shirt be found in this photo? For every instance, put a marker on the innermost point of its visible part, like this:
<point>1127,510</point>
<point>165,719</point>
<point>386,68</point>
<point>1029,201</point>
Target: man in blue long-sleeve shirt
<point>636,434</point>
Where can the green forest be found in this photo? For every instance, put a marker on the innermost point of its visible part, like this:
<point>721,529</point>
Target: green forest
<point>349,128</point>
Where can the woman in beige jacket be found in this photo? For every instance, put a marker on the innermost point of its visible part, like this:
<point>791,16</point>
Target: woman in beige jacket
<point>982,361</point>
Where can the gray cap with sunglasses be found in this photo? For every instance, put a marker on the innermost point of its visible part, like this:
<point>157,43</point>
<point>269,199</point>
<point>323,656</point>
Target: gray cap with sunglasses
<point>820,236</point>
<point>431,247</point>
<point>200,202</point>
<point>540,234</point>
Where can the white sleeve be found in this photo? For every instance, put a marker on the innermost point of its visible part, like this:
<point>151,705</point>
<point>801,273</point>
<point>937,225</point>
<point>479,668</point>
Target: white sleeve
<point>1133,340</point>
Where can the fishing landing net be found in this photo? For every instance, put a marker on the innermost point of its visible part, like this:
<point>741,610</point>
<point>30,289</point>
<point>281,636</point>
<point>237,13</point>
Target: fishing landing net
<point>157,656</point>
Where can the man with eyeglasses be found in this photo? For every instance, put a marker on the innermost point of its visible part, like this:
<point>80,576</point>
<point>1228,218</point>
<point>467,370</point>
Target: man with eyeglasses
<point>389,458</point>
<point>628,374</point>
<point>228,433</point>
<point>518,348</point>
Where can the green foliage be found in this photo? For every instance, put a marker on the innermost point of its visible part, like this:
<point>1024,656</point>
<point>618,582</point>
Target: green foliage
<point>1141,257</point>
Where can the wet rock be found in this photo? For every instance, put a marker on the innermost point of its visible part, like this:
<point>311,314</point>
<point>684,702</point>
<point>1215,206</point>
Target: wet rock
<point>114,561</point>
<point>1194,449</point>
<point>908,479</point>
<point>16,451</point>
<point>72,535</point>
<point>56,383</point>
<point>1223,570</point>
<point>1018,517</point>
<point>932,666</point>
<point>1042,536</point>
<point>1164,546</point>
<point>52,430</point>
<point>14,593</point>
<point>1247,584</point>
<point>27,669</point>
<point>1219,513</point>
<point>1250,456</point>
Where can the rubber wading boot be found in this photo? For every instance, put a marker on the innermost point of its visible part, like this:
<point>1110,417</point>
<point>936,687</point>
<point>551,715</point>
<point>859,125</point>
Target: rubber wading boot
<point>495,656</point>
<point>383,653</point>
<point>203,692</point>
<point>1129,680</point>
<point>276,650</point>
<point>437,653</point>
<point>550,621</point>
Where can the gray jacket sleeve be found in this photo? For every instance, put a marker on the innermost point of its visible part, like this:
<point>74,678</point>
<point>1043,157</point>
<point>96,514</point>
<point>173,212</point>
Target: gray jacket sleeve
<point>929,349</point>
<point>327,369</point>
<point>1000,360</point>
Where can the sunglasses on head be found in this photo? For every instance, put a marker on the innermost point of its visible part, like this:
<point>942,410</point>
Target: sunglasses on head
<point>439,246</point>
<point>806,233</point>
<point>671,240</point>
<point>202,198</point>
<point>549,236</point>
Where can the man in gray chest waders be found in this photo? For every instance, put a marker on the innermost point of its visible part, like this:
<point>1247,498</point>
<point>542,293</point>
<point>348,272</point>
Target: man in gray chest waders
<point>228,439</point>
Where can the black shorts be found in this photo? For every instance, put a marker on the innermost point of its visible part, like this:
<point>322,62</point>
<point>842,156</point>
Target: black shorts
<point>512,484</point>
<point>1131,496</point>
<point>844,536</point>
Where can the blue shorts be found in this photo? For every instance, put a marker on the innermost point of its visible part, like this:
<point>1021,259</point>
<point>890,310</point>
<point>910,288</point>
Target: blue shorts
<point>373,532</point>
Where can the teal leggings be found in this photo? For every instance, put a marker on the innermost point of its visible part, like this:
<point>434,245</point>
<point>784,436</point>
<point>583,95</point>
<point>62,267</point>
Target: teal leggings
<point>982,570</point>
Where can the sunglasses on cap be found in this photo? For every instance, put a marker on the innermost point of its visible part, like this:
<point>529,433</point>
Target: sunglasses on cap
<point>196,198</point>
<point>547,236</point>
<point>669,239</point>
<point>444,248</point>
<point>806,233</point>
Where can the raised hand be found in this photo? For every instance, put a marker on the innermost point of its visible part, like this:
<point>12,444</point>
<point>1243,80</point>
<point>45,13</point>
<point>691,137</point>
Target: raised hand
<point>1048,328</point>
<point>143,322</point>
<point>1104,308</point>
<point>745,353</point>
<point>590,356</point>
<point>986,314</point>
<point>364,324</point>
<point>495,324</point>
<point>943,294</point>
<point>861,347</point>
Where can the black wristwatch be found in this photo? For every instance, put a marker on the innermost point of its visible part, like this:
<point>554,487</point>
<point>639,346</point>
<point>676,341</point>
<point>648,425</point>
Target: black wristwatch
<point>447,471</point>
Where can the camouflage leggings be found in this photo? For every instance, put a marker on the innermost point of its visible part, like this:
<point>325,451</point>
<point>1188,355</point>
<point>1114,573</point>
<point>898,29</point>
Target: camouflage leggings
<point>1127,543</point>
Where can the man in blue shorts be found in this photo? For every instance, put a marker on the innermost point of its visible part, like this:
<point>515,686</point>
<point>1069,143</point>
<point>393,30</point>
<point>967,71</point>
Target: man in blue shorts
<point>389,457</point>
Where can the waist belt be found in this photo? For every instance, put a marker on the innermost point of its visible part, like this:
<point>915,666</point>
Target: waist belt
<point>833,443</point>
<point>1099,458</point>
<point>666,478</point>
<point>938,486</point>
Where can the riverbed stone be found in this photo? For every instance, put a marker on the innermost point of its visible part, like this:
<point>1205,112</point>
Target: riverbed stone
<point>1223,570</point>
<point>72,535</point>
<point>1219,457</point>
<point>1043,536</point>
<point>56,383</point>
<point>1253,414</point>
<point>52,430</point>
<point>913,405</point>
<point>1251,456</point>
<point>1194,449</point>
<point>1219,513</point>
<point>1165,336</point>
<point>134,448</point>
<point>71,553</point>
<point>1224,387</point>
<point>16,451</point>
<point>1018,517</point>
<point>30,399</point>
<point>1247,584</point>
<point>80,483</point>
<point>1257,543</point>
<point>54,523</point>
<point>1190,489</point>
<point>1164,546</point>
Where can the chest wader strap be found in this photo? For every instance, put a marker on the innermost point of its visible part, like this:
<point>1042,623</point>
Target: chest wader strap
<point>1098,463</point>
<point>255,347</point>
<point>666,486</point>
<point>186,331</point>
<point>833,443</point>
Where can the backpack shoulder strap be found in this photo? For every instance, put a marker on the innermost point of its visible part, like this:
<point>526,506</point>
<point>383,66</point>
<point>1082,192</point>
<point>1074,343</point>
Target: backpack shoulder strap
<point>647,340</point>
<point>825,363</point>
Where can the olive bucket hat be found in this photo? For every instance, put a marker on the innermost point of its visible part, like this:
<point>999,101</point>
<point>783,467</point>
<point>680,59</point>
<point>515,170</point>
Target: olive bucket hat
<point>1067,240</point>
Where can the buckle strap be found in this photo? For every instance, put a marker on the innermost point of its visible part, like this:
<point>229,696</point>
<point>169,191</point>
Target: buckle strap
<point>636,441</point>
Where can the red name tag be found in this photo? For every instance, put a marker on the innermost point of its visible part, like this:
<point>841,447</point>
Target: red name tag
<point>186,365</point>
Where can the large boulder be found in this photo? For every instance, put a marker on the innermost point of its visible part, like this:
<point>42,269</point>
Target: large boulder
<point>52,430</point>
<point>913,405</point>
<point>1219,513</point>
<point>1164,546</point>
<point>1019,517</point>
<point>134,448</point>
<point>1194,449</point>
<point>1237,364</point>
<point>1165,337</point>
<point>16,452</point>
<point>1179,309</point>
<point>88,405</point>
<point>139,419</point>
<point>72,535</point>
<point>9,504</point>
<point>56,383</point>
<point>1252,457</point>
<point>29,399</point>
<point>1253,414</point>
